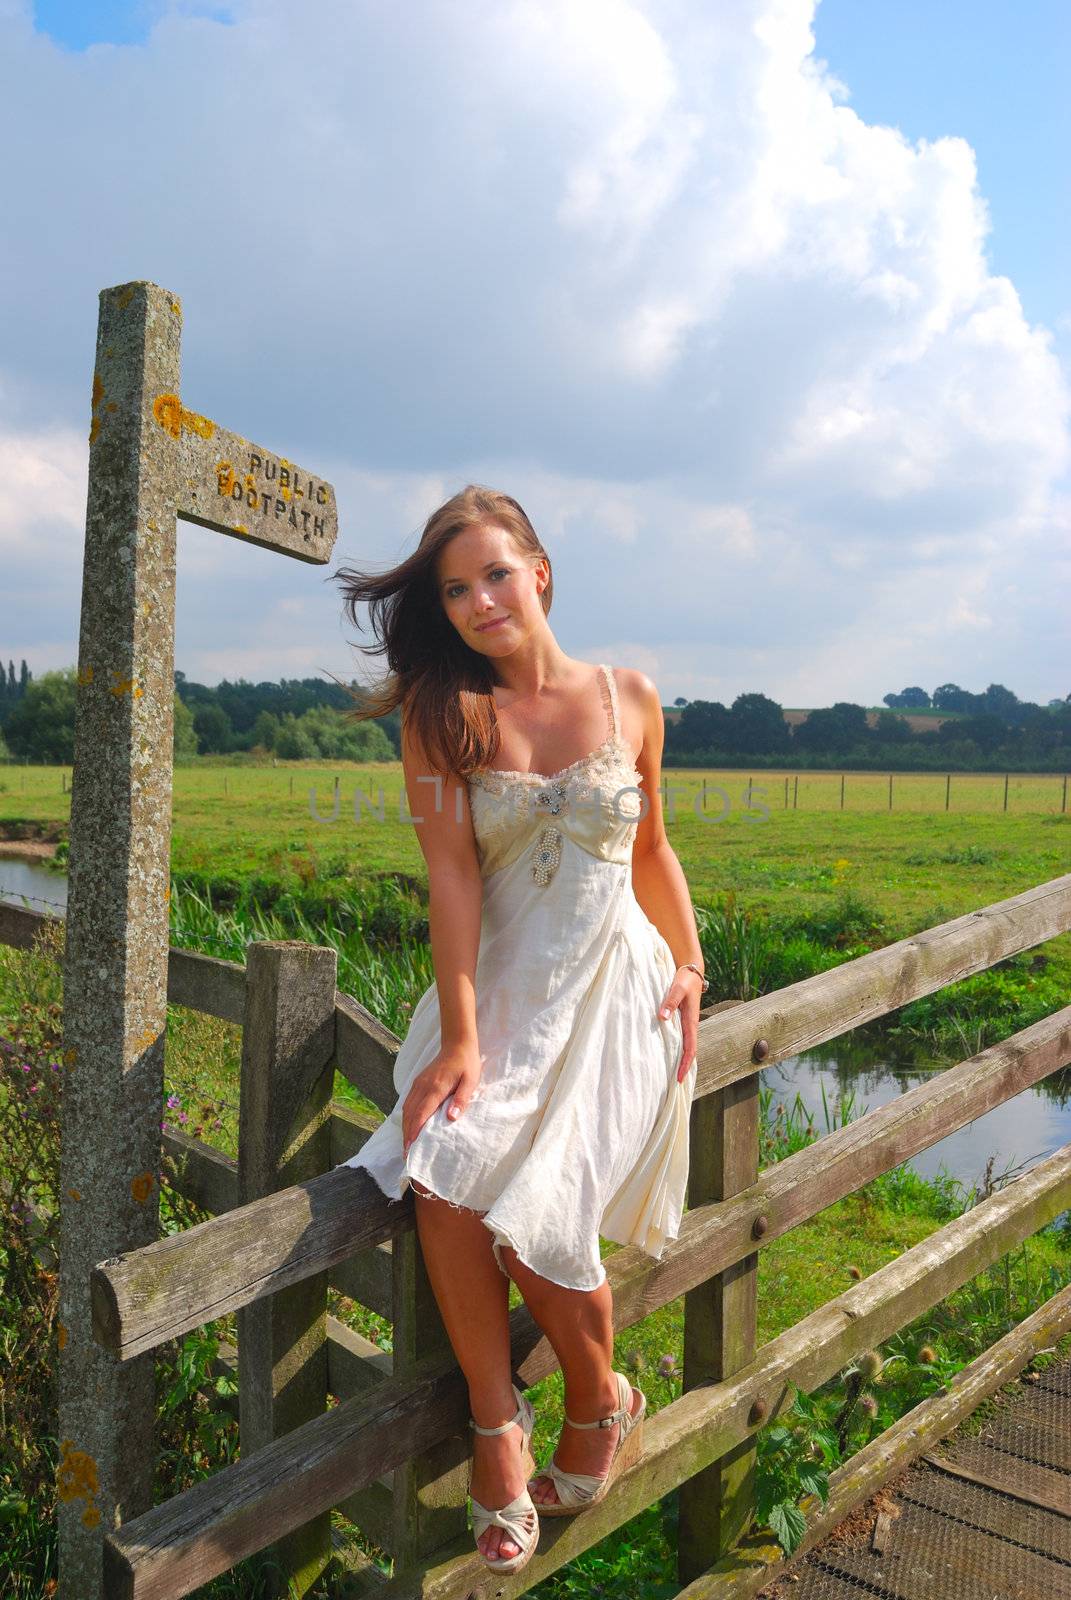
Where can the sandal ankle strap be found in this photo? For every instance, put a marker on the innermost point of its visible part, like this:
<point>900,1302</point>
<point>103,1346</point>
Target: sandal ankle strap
<point>602,1422</point>
<point>623,1414</point>
<point>512,1423</point>
<point>504,1427</point>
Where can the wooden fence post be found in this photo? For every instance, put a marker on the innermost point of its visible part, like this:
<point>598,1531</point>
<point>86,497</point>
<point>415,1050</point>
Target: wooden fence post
<point>284,1137</point>
<point>430,1490</point>
<point>720,1318</point>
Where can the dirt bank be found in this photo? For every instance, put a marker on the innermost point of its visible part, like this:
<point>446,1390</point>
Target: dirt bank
<point>27,849</point>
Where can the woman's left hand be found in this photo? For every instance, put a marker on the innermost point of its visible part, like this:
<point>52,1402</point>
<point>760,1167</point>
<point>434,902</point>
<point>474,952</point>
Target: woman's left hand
<point>683,996</point>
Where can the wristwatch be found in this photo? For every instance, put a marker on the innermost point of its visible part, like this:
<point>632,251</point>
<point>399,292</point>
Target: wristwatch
<point>694,968</point>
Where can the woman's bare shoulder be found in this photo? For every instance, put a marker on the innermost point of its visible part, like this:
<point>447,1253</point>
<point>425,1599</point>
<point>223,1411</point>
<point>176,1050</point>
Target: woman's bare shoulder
<point>639,691</point>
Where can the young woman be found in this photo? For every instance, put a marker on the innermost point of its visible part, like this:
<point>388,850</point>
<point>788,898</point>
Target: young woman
<point>545,1081</point>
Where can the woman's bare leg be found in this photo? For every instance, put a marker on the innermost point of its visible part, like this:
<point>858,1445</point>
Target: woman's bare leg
<point>579,1325</point>
<point>472,1294</point>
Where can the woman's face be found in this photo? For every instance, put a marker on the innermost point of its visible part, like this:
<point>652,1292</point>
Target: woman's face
<point>490,590</point>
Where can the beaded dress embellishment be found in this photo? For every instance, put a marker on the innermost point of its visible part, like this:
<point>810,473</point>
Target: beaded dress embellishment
<point>547,855</point>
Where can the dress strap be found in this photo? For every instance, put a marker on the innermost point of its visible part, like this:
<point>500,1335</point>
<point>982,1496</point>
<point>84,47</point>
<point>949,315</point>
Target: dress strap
<point>610,697</point>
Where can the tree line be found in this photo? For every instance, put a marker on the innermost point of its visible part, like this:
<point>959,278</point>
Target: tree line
<point>305,718</point>
<point>994,730</point>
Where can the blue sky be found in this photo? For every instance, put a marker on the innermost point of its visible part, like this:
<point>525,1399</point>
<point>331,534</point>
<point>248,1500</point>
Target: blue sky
<point>779,371</point>
<point>995,72</point>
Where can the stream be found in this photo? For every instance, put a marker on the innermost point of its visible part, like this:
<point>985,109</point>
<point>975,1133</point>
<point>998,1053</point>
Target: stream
<point>1018,1134</point>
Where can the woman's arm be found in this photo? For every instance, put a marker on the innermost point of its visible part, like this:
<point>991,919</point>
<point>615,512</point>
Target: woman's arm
<point>658,879</point>
<point>455,894</point>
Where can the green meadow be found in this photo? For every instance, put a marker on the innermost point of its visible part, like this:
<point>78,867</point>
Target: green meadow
<point>781,890</point>
<point>774,840</point>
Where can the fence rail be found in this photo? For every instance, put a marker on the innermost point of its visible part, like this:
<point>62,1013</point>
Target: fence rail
<point>288,1222</point>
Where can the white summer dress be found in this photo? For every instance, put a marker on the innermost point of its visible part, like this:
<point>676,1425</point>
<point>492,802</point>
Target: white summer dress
<point>578,1125</point>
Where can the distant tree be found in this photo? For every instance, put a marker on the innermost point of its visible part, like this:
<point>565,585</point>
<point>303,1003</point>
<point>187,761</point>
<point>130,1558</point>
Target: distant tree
<point>327,734</point>
<point>680,701</point>
<point>295,742</point>
<point>950,697</point>
<point>758,725</point>
<point>185,741</point>
<point>703,725</point>
<point>835,728</point>
<point>892,729</point>
<point>214,732</point>
<point>985,731</point>
<point>1001,702</point>
<point>266,730</point>
<point>908,699</point>
<point>41,727</point>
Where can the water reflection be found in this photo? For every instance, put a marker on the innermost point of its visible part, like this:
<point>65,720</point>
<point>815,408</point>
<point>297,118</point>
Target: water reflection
<point>1018,1134</point>
<point>45,890</point>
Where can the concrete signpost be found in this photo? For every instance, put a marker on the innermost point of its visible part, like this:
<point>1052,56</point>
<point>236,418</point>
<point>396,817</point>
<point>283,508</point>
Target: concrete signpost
<point>151,461</point>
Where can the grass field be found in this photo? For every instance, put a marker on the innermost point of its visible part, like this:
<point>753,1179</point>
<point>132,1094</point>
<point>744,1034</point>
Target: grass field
<point>248,834</point>
<point>233,825</point>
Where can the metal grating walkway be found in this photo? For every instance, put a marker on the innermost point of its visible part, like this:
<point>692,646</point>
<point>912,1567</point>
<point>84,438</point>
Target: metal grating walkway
<point>997,1528</point>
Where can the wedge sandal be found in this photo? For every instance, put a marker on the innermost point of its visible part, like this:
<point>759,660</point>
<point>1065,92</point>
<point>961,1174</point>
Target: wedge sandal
<point>519,1520</point>
<point>576,1490</point>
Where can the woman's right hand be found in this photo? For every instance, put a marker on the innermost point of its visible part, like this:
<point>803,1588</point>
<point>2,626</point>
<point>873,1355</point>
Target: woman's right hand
<point>452,1075</point>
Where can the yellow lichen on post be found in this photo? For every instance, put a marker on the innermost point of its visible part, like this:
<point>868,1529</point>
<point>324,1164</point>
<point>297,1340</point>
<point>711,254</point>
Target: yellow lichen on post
<point>167,409</point>
<point>61,1335</point>
<point>98,396</point>
<point>193,422</point>
<point>141,1187</point>
<point>85,676</point>
<point>76,1475</point>
<point>75,1194</point>
<point>123,300</point>
<point>225,477</point>
<point>173,417</point>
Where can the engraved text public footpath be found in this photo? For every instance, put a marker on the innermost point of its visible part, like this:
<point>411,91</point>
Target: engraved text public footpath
<point>287,487</point>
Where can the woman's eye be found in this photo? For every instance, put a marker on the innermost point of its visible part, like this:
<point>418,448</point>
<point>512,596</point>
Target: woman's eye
<point>451,593</point>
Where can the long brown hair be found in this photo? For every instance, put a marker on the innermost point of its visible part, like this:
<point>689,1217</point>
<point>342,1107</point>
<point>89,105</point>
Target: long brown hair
<point>443,686</point>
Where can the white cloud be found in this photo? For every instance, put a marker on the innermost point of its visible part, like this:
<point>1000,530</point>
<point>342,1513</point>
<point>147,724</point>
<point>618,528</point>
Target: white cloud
<point>640,262</point>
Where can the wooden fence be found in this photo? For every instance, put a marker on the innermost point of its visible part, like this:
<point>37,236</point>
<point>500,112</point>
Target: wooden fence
<point>392,1454</point>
